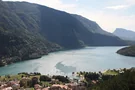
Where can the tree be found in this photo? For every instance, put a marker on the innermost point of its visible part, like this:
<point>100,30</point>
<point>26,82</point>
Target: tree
<point>44,78</point>
<point>34,81</point>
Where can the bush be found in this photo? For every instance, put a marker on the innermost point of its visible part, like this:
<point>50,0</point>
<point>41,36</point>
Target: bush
<point>25,83</point>
<point>61,78</point>
<point>44,78</point>
<point>34,81</point>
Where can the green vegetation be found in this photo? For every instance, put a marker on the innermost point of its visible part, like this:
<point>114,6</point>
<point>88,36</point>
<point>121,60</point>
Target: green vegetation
<point>122,81</point>
<point>111,72</point>
<point>44,78</point>
<point>28,80</point>
<point>61,79</point>
<point>19,35</point>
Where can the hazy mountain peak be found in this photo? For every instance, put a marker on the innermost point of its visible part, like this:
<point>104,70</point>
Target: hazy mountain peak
<point>124,34</point>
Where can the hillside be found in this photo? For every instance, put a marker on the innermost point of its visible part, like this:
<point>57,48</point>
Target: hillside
<point>94,35</point>
<point>29,31</point>
<point>125,34</point>
<point>63,28</point>
<point>18,41</point>
<point>125,80</point>
<point>92,26</point>
<point>127,51</point>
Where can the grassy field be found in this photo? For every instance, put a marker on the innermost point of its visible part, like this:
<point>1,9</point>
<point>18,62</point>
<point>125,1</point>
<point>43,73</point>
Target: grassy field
<point>111,72</point>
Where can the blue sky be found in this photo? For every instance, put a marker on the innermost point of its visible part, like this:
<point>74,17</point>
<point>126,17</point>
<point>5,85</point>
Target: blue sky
<point>109,14</point>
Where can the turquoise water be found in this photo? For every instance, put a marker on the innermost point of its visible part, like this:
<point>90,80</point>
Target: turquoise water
<point>65,62</point>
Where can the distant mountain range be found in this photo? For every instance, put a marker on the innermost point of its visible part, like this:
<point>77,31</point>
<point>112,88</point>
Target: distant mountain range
<point>29,31</point>
<point>125,34</point>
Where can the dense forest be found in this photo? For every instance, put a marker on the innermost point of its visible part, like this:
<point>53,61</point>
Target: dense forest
<point>122,81</point>
<point>18,42</point>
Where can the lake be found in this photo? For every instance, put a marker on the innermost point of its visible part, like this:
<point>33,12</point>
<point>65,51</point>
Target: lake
<point>65,62</point>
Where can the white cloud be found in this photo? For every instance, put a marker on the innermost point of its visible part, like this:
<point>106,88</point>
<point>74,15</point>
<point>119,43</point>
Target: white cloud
<point>110,22</point>
<point>118,7</point>
<point>119,4</point>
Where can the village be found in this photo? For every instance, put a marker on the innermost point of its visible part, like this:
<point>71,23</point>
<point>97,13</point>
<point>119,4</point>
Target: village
<point>36,81</point>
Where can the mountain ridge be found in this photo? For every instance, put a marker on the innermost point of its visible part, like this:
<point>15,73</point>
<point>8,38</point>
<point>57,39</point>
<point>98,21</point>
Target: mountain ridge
<point>125,34</point>
<point>29,31</point>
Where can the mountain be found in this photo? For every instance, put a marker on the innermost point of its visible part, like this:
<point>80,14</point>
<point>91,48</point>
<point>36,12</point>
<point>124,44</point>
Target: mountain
<point>19,39</point>
<point>94,35</point>
<point>125,34</point>
<point>92,26</point>
<point>127,51</point>
<point>29,31</point>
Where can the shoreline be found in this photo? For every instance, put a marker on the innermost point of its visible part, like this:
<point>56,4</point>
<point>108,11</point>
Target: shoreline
<point>37,81</point>
<point>15,59</point>
<point>31,57</point>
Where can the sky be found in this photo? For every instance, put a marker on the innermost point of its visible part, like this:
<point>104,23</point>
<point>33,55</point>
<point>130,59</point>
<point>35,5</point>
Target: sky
<point>109,14</point>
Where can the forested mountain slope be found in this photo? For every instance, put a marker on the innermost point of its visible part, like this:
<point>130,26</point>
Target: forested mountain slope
<point>29,30</point>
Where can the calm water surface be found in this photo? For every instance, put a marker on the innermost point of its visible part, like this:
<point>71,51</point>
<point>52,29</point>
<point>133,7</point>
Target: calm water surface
<point>65,62</point>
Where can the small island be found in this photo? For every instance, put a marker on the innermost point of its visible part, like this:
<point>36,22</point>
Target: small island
<point>127,51</point>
